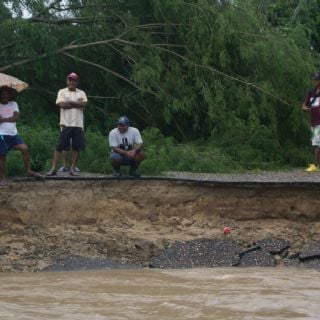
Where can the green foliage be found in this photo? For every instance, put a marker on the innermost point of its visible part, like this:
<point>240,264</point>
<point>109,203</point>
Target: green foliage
<point>14,164</point>
<point>40,141</point>
<point>96,156</point>
<point>218,79</point>
<point>164,154</point>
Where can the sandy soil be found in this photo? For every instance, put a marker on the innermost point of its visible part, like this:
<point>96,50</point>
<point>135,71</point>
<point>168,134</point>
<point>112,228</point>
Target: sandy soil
<point>132,220</point>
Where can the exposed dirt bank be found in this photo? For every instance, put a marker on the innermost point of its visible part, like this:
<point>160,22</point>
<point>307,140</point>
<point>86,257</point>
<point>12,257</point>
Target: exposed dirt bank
<point>134,220</point>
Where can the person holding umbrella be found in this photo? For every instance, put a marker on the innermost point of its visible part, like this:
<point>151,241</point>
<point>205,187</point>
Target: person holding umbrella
<point>9,138</point>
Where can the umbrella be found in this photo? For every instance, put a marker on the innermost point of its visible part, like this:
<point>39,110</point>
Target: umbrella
<point>12,82</point>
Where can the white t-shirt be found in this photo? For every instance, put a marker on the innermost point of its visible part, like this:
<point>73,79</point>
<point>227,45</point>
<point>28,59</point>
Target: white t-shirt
<point>71,117</point>
<point>125,141</point>
<point>6,111</point>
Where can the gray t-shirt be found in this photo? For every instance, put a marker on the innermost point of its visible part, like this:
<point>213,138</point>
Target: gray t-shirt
<point>125,141</point>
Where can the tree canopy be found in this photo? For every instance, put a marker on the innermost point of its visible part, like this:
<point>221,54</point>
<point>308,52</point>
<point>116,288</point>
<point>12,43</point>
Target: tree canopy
<point>232,73</point>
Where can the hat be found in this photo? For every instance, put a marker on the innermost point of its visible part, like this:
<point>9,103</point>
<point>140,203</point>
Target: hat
<point>316,76</point>
<point>123,120</point>
<point>73,75</point>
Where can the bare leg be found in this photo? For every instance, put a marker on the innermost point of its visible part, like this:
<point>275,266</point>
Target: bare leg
<point>139,158</point>
<point>116,163</point>
<point>56,158</point>
<point>2,168</point>
<point>65,158</point>
<point>135,163</point>
<point>25,157</point>
<point>317,155</point>
<point>75,157</point>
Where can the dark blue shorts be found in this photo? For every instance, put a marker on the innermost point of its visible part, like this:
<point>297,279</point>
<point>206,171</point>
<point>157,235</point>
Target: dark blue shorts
<point>9,142</point>
<point>125,161</point>
<point>73,134</point>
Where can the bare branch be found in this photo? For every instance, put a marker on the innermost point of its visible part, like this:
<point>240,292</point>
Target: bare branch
<point>207,68</point>
<point>45,55</point>
<point>80,20</point>
<point>128,58</point>
<point>109,71</point>
<point>159,46</point>
<point>153,44</point>
<point>51,6</point>
<point>99,97</point>
<point>7,46</point>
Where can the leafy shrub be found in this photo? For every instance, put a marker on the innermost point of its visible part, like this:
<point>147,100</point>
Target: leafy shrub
<point>41,142</point>
<point>163,153</point>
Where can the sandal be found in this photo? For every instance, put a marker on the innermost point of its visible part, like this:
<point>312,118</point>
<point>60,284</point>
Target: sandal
<point>51,173</point>
<point>34,175</point>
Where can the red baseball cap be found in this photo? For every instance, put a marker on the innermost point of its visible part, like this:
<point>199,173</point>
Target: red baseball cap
<point>73,75</point>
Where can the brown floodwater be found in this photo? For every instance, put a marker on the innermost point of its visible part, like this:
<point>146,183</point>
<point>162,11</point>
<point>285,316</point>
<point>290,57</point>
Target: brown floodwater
<point>150,294</point>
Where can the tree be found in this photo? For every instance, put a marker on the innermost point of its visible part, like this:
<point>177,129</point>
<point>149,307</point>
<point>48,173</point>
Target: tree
<point>224,71</point>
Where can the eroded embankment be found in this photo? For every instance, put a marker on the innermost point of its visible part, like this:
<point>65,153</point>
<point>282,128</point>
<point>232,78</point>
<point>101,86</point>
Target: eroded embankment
<point>131,221</point>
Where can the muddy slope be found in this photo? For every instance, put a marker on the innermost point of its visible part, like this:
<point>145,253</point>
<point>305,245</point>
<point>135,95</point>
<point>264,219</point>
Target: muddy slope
<point>131,221</point>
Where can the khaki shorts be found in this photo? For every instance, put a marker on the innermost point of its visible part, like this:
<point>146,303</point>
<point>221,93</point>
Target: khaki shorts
<point>315,136</point>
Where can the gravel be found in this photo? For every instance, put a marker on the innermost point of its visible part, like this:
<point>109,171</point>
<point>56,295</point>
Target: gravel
<point>288,176</point>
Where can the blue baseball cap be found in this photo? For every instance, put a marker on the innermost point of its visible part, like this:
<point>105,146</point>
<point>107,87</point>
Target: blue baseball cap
<point>316,76</point>
<point>123,120</point>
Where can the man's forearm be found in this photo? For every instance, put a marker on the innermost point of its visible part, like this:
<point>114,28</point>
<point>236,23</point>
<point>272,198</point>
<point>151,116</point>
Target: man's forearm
<point>78,104</point>
<point>138,147</point>
<point>72,105</point>
<point>119,150</point>
<point>14,118</point>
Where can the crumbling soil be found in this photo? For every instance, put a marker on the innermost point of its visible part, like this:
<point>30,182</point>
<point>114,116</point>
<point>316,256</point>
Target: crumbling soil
<point>133,220</point>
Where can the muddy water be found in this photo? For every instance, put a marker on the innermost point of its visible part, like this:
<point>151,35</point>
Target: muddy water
<point>162,294</point>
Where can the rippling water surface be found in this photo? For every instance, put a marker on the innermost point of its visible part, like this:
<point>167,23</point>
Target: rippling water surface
<point>162,294</point>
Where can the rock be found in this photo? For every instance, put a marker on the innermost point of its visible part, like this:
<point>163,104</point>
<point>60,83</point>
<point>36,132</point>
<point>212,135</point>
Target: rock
<point>313,255</point>
<point>4,250</point>
<point>257,258</point>
<point>72,263</point>
<point>274,245</point>
<point>312,251</point>
<point>254,248</point>
<point>187,223</point>
<point>197,253</point>
<point>294,255</point>
<point>309,257</point>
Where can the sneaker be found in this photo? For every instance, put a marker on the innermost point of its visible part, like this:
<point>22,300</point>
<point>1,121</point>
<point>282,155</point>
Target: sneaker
<point>73,173</point>
<point>36,176</point>
<point>134,173</point>
<point>76,169</point>
<point>63,169</point>
<point>3,183</point>
<point>51,173</point>
<point>116,172</point>
<point>312,168</point>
